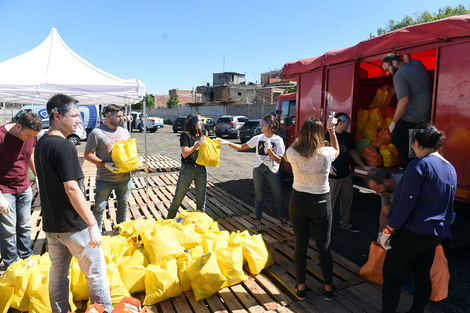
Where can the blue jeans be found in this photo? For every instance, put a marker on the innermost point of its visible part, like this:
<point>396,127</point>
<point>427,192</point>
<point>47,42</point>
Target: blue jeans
<point>15,228</point>
<point>62,247</point>
<point>305,209</point>
<point>188,173</point>
<point>103,190</point>
<point>262,175</point>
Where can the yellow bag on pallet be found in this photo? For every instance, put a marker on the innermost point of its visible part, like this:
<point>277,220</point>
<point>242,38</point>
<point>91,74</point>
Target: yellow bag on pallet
<point>132,271</point>
<point>128,228</point>
<point>6,295</point>
<point>162,244</point>
<point>161,282</point>
<point>205,276</point>
<point>187,235</point>
<point>230,261</point>
<point>209,153</point>
<point>255,251</point>
<point>124,154</point>
<point>78,284</point>
<point>116,286</point>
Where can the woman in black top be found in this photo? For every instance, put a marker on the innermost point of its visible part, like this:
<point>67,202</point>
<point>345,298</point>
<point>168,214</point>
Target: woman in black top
<point>191,139</point>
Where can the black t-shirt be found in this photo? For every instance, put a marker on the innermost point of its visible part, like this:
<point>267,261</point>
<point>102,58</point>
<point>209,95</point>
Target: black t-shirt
<point>187,141</point>
<point>57,162</point>
<point>341,163</point>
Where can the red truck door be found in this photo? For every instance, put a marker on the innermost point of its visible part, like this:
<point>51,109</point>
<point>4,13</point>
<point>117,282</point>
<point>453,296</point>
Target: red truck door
<point>452,110</point>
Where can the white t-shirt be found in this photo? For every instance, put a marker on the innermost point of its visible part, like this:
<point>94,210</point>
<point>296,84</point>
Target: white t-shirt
<point>277,146</point>
<point>311,175</point>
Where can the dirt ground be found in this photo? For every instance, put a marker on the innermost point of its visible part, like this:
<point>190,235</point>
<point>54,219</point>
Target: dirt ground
<point>235,176</point>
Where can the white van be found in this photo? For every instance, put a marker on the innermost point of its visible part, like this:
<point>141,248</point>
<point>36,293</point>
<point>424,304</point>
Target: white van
<point>91,117</point>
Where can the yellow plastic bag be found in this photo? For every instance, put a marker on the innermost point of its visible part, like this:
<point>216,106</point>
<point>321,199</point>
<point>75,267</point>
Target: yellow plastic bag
<point>205,276</point>
<point>209,154</point>
<point>389,155</point>
<point>116,286</point>
<point>370,130</point>
<point>382,99</point>
<point>124,154</point>
<point>128,228</point>
<point>161,282</point>
<point>78,285</point>
<point>162,244</point>
<point>230,261</point>
<point>202,221</point>
<point>362,117</point>
<point>132,271</point>
<point>187,235</point>
<point>6,294</point>
<point>254,251</point>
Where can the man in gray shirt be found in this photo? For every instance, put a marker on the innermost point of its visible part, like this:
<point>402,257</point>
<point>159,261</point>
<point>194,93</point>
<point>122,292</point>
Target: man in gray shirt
<point>98,151</point>
<point>414,93</point>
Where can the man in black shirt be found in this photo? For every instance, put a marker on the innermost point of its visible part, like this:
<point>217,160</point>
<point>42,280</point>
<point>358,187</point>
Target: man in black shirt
<point>341,184</point>
<point>68,222</point>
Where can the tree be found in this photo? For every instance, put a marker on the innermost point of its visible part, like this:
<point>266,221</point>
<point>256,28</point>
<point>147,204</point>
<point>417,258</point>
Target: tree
<point>150,103</point>
<point>421,18</point>
<point>173,102</point>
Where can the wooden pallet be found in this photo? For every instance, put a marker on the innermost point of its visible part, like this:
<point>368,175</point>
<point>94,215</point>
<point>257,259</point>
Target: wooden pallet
<point>271,291</point>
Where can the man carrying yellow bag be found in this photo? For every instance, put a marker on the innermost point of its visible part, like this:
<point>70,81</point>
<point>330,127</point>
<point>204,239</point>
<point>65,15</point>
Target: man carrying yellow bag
<point>99,151</point>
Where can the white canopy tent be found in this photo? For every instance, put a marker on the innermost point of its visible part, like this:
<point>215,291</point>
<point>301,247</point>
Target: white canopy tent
<point>52,67</point>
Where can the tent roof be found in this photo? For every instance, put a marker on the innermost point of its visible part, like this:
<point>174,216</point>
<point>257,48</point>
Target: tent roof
<point>416,35</point>
<point>52,67</point>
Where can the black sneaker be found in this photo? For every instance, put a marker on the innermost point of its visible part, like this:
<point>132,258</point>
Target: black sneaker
<point>259,228</point>
<point>301,294</point>
<point>329,295</point>
<point>351,228</point>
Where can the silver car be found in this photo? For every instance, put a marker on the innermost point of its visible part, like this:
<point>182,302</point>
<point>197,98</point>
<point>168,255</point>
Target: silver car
<point>229,125</point>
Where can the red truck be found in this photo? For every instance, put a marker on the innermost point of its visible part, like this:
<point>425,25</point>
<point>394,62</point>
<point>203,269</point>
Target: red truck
<point>346,80</point>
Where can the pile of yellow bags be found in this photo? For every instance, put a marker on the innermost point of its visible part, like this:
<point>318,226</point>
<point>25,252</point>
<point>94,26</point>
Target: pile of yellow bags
<point>161,258</point>
<point>373,136</point>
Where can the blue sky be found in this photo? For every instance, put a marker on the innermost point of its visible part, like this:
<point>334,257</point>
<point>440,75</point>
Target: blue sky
<point>180,44</point>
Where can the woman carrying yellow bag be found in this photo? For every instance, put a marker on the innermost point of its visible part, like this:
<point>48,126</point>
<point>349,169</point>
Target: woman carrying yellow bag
<point>191,139</point>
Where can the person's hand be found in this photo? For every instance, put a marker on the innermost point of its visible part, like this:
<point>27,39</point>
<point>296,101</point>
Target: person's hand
<point>267,146</point>
<point>332,121</point>
<point>384,240</point>
<point>37,183</point>
<point>95,236</point>
<point>222,141</point>
<point>110,166</point>
<point>391,127</point>
<point>202,141</point>
<point>5,206</point>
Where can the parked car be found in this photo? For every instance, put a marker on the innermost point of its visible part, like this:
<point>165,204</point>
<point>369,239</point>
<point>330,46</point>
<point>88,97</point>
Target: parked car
<point>178,124</point>
<point>152,123</point>
<point>247,131</point>
<point>230,125</point>
<point>209,126</point>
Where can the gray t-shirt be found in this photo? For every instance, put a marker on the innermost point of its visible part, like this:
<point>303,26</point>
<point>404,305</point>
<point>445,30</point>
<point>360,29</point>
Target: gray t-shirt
<point>101,141</point>
<point>412,80</point>
<point>388,197</point>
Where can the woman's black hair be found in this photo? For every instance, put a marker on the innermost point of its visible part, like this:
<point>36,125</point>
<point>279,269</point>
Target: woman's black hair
<point>429,136</point>
<point>190,128</point>
<point>271,120</point>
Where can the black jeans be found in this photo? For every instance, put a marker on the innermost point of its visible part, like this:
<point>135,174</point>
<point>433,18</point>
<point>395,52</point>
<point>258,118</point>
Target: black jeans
<point>306,208</point>
<point>401,139</point>
<point>410,253</point>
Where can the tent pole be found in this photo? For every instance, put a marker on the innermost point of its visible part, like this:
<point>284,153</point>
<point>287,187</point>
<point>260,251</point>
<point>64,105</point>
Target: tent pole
<point>146,156</point>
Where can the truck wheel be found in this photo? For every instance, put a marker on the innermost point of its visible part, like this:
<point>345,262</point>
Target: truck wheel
<point>152,130</point>
<point>74,139</point>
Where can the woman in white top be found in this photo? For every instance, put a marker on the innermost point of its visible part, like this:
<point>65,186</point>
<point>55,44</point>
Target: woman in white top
<point>269,151</point>
<point>310,199</point>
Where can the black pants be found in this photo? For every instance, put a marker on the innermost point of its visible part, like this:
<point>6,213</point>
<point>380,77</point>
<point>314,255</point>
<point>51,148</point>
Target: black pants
<point>410,253</point>
<point>401,139</point>
<point>306,209</point>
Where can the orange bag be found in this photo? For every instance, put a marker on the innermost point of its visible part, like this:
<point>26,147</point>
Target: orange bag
<point>440,276</point>
<point>371,156</point>
<point>383,138</point>
<point>372,270</point>
<point>127,305</point>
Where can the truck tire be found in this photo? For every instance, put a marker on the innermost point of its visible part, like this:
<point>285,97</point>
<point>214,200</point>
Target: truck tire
<point>152,130</point>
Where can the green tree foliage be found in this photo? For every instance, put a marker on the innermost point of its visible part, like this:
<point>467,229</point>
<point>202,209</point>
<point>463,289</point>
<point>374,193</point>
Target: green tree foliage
<point>292,89</point>
<point>424,17</point>
<point>150,103</point>
<point>173,102</point>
